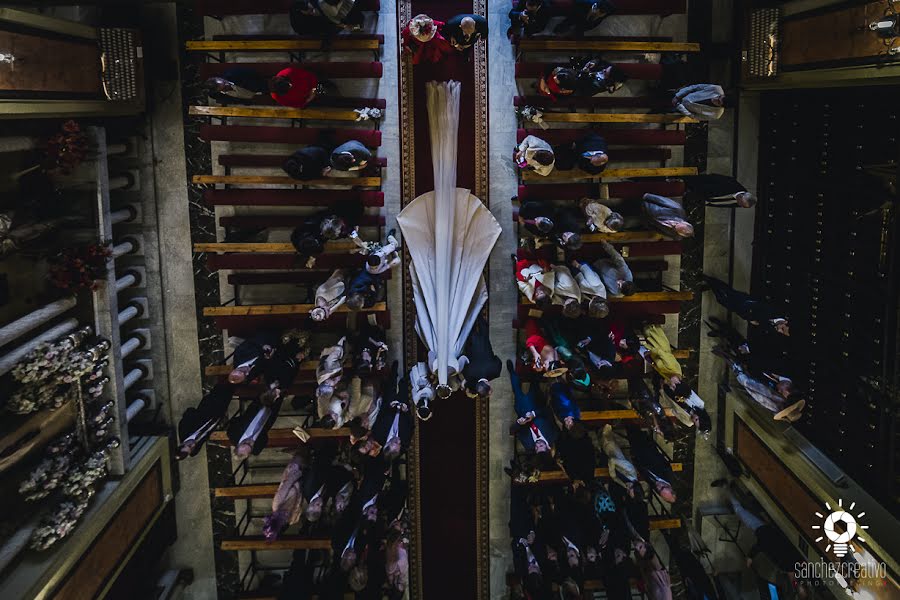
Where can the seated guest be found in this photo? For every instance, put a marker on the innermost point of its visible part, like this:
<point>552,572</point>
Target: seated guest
<point>585,15</point>
<point>652,463</point>
<point>703,101</point>
<point>482,366</point>
<point>422,38</point>
<point>566,292</point>
<point>294,87</point>
<point>350,156</point>
<point>537,217</point>
<point>249,431</point>
<point>575,450</point>
<point>307,163</point>
<point>664,362</point>
<point>369,349</point>
<point>780,399</point>
<point>719,190</point>
<point>422,390</point>
<point>754,311</point>
<point>654,574</point>
<point>379,257</point>
<point>247,355</point>
<point>331,405</point>
<point>535,279</point>
<point>534,154</point>
<point>330,295</point>
<point>325,17</point>
<point>621,470</point>
<point>536,430</point>
<point>593,290</point>
<point>364,404</point>
<point>688,407</point>
<point>240,85</point>
<point>363,290</point>
<point>588,154</point>
<point>287,504</point>
<point>600,217</point>
<point>529,16</point>
<point>309,239</point>
<point>597,76</point>
<point>544,356</point>
<point>279,371</point>
<point>464,31</point>
<point>568,222</point>
<point>614,272</point>
<point>558,81</point>
<point>646,403</point>
<point>197,423</point>
<point>666,215</point>
<point>392,431</point>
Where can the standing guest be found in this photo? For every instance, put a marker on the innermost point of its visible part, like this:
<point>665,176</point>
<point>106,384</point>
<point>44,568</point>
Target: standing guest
<point>287,504</point>
<point>588,154</point>
<point>249,431</point>
<point>464,31</point>
<point>782,402</point>
<point>667,215</point>
<point>422,390</point>
<point>535,279</point>
<point>237,84</point>
<point>593,290</point>
<point>529,16</point>
<point>600,217</point>
<point>614,272</point>
<point>535,429</point>
<point>544,356</point>
<point>352,155</point>
<point>379,257</point>
<point>363,290</point>
<point>307,163</point>
<point>294,87</point>
<point>198,423</point>
<point>483,366</point>
<point>566,292</point>
<point>652,463</point>
<point>422,39</point>
<point>535,154</point>
<point>585,15</point>
<point>330,295</point>
<point>621,470</point>
<point>325,17</point>
<point>703,101</point>
<point>754,311</point>
<point>719,190</point>
<point>247,355</point>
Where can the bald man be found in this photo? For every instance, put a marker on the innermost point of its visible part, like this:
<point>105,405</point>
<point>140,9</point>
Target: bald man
<point>463,31</point>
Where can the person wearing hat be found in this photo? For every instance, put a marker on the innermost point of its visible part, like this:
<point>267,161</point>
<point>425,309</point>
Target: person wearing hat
<point>330,295</point>
<point>422,39</point>
<point>294,87</point>
<point>464,31</point>
<point>535,154</point>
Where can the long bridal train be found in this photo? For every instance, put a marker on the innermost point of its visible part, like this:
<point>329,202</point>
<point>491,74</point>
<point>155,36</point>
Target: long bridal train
<point>450,235</point>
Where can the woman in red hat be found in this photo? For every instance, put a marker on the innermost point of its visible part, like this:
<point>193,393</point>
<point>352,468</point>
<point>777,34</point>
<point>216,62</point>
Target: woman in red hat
<point>423,39</point>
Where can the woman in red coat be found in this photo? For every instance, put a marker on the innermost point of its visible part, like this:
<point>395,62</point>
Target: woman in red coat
<point>294,87</point>
<point>422,38</point>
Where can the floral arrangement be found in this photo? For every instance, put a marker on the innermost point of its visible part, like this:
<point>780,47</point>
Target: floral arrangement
<point>533,115</point>
<point>66,149</point>
<point>79,268</point>
<point>58,525</point>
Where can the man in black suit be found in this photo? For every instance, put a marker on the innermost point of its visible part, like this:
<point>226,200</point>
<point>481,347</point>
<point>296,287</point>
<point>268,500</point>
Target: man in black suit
<point>719,190</point>
<point>666,215</point>
<point>652,463</point>
<point>483,365</point>
<point>464,31</point>
<point>535,428</point>
<point>585,15</point>
<point>576,451</point>
<point>247,355</point>
<point>249,431</point>
<point>392,430</point>
<point>335,223</point>
<point>588,154</point>
<point>198,423</point>
<point>752,310</point>
<point>531,16</point>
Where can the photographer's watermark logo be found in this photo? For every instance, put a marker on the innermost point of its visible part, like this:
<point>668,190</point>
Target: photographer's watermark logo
<point>840,527</point>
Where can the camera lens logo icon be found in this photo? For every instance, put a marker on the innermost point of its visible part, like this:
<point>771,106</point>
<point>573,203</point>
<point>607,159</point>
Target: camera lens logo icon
<point>840,527</point>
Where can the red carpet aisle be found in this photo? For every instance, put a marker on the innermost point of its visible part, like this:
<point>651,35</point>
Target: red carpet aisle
<point>448,463</point>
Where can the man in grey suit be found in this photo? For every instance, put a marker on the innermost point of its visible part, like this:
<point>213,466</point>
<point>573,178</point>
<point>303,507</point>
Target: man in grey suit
<point>704,101</point>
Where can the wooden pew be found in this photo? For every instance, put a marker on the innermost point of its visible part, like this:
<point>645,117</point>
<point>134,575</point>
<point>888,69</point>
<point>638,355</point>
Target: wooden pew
<point>642,153</point>
<point>307,369</point>
<point>285,180</point>
<point>363,41</point>
<point>623,173</point>
<point>598,44</point>
<point>285,542</point>
<point>573,102</point>
<point>581,117</point>
<point>545,478</point>
<point>264,310</point>
<point>221,8</point>
<point>308,276</point>
<point>332,247</point>
<point>625,190</point>
<point>282,197</point>
<point>636,305</point>
<point>295,136</point>
<point>282,261</point>
<point>285,221</point>
<point>639,71</point>
<point>275,112</point>
<point>629,7</point>
<point>614,137</point>
<point>242,326</point>
<point>593,251</point>
<point>276,160</point>
<point>603,417</point>
<point>323,70</point>
<point>285,438</point>
<point>637,297</point>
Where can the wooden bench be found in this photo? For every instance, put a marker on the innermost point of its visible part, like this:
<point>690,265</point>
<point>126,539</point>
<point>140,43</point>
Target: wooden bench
<point>285,542</point>
<point>292,44</point>
<point>623,173</point>
<point>307,369</point>
<point>573,102</point>
<point>282,197</point>
<point>637,297</point>
<point>221,8</point>
<point>583,117</point>
<point>285,221</point>
<point>295,136</point>
<point>599,44</point>
<point>593,251</point>
<point>275,161</point>
<point>331,247</point>
<point>639,71</point>
<point>264,310</point>
<point>545,478</point>
<point>283,261</point>
<point>276,112</point>
<point>614,137</point>
<point>641,153</point>
<point>323,70</point>
<point>628,7</point>
<point>285,438</point>
<point>639,304</point>
<point>625,190</point>
<point>308,276</point>
<point>285,180</point>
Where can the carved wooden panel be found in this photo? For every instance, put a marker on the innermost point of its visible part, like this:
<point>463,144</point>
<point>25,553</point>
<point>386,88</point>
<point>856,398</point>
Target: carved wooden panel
<point>43,64</point>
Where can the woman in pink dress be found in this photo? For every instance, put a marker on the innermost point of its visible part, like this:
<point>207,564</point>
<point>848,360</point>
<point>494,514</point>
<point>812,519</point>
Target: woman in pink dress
<point>422,38</point>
